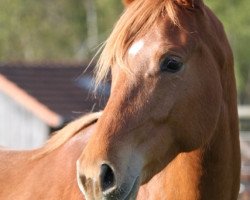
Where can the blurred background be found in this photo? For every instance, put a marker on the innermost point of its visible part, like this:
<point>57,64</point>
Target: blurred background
<point>45,46</point>
<point>63,30</point>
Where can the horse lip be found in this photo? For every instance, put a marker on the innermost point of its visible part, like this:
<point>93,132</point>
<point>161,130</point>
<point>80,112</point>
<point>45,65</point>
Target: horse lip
<point>134,189</point>
<point>121,194</point>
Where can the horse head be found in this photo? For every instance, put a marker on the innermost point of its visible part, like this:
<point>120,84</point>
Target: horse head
<point>166,59</point>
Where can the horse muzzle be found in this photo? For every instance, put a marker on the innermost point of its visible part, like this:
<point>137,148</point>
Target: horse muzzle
<point>105,186</point>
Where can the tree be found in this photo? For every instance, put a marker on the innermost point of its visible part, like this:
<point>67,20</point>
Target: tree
<point>54,30</point>
<point>236,18</point>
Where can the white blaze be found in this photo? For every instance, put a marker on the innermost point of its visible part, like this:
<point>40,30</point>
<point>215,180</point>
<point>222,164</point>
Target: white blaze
<point>136,47</point>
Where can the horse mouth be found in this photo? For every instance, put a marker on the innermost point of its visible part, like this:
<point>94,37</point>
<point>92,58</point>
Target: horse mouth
<point>134,190</point>
<point>125,192</point>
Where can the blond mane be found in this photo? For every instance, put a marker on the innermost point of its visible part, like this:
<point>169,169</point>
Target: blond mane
<point>137,19</point>
<point>62,136</point>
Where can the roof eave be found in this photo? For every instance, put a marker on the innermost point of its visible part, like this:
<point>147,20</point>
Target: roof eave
<point>48,116</point>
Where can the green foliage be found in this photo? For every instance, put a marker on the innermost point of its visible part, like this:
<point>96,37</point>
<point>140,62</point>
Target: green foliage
<point>235,16</point>
<point>34,30</point>
<point>49,30</point>
<point>108,13</point>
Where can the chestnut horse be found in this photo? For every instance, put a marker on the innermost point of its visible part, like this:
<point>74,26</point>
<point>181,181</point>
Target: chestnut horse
<point>170,124</point>
<point>49,172</point>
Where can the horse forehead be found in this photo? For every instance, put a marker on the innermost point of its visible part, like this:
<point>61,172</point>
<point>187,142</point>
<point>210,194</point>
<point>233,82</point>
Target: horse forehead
<point>145,46</point>
<point>136,47</point>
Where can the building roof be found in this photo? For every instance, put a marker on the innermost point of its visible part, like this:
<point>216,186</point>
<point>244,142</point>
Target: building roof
<point>54,92</point>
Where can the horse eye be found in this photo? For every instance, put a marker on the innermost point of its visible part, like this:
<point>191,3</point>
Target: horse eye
<point>171,65</point>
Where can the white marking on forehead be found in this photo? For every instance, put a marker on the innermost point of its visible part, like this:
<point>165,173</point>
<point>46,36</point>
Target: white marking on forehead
<point>136,47</point>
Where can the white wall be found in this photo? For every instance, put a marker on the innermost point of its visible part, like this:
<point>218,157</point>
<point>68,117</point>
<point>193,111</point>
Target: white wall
<point>19,128</point>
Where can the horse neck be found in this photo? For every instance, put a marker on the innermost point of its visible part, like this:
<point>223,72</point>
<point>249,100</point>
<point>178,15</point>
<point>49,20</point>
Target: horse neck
<point>59,167</point>
<point>55,172</point>
<point>221,158</point>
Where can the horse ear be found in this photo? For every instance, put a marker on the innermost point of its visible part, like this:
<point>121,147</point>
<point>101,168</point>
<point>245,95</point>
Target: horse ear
<point>191,3</point>
<point>127,2</point>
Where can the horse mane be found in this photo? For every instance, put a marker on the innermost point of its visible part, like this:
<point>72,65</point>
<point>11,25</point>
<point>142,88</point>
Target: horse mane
<point>134,23</point>
<point>62,136</point>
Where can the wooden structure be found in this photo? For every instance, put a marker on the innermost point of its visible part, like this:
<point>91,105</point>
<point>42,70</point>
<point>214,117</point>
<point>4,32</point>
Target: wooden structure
<point>38,99</point>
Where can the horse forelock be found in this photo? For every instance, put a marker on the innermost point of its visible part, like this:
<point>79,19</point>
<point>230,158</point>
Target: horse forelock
<point>134,23</point>
<point>62,136</point>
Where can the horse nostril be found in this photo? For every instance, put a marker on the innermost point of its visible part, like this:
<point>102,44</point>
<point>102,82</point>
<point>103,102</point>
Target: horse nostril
<point>107,177</point>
